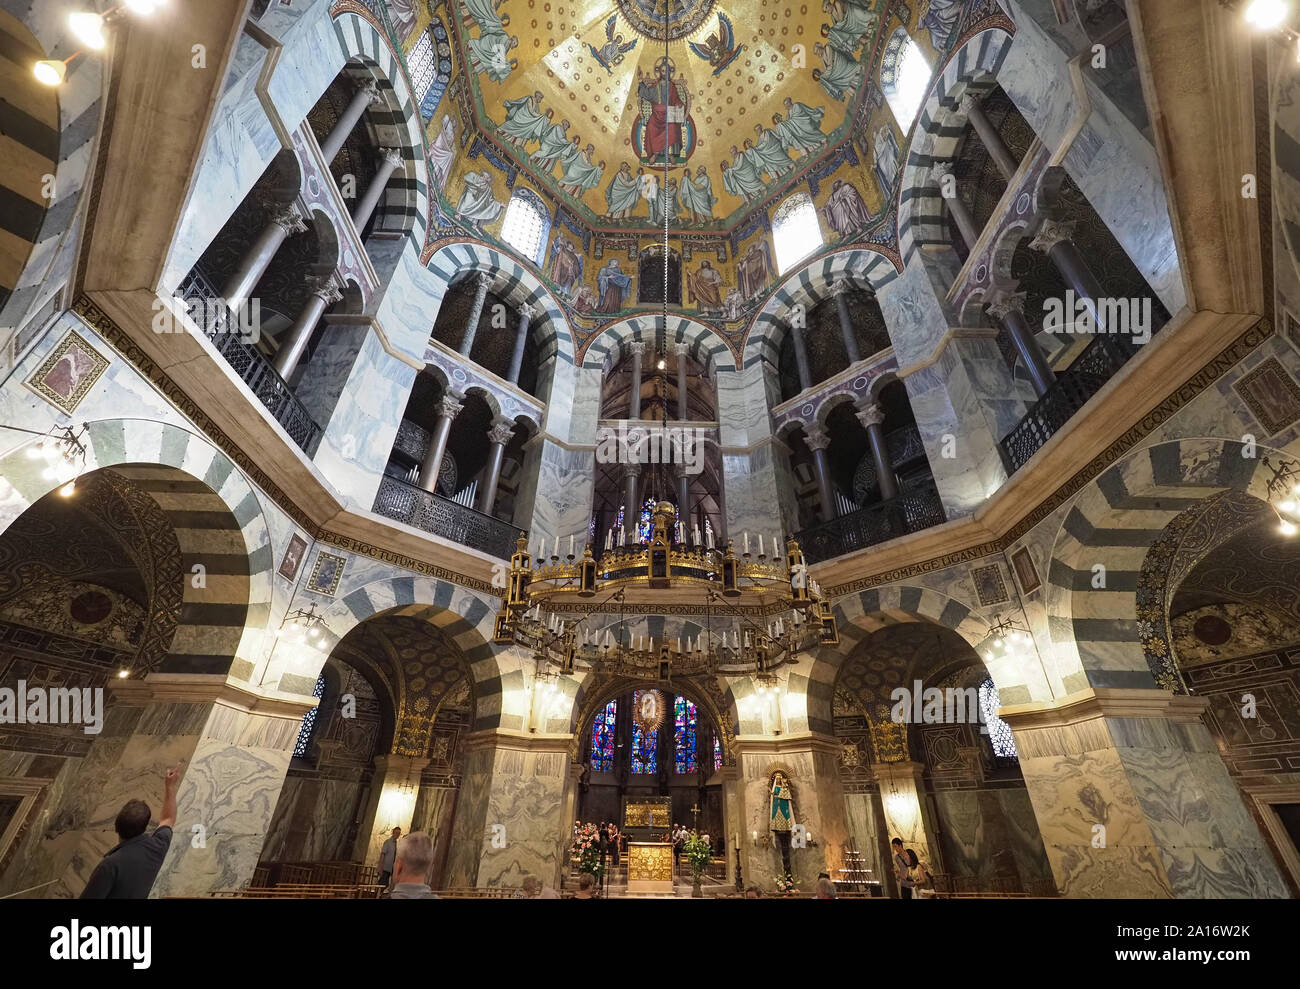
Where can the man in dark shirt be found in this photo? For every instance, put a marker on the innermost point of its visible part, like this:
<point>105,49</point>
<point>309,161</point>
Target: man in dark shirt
<point>127,872</point>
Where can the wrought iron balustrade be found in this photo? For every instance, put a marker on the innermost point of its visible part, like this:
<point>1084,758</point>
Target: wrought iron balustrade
<point>1067,395</point>
<point>208,310</point>
<point>443,517</point>
<point>915,509</point>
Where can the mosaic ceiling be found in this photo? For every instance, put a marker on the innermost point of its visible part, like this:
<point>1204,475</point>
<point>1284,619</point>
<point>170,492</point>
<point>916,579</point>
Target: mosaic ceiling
<point>742,97</point>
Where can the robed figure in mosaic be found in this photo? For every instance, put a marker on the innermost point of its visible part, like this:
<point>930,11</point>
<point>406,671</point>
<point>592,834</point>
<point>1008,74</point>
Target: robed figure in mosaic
<point>664,104</point>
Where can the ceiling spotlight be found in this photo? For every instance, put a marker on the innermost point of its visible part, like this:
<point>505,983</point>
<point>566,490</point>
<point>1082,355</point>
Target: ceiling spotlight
<point>1266,14</point>
<point>89,28</point>
<point>1287,528</point>
<point>68,489</point>
<point>50,71</point>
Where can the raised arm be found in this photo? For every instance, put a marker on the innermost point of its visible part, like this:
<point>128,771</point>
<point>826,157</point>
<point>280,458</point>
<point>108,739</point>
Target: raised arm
<point>171,780</point>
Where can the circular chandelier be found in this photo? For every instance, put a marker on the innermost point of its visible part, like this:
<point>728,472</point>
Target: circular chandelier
<point>792,615</point>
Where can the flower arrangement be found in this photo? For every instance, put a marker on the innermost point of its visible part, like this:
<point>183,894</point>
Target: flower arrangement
<point>585,847</point>
<point>785,884</point>
<point>698,854</point>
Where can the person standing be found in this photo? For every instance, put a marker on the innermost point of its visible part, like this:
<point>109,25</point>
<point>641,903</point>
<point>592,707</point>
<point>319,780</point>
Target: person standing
<point>919,873</point>
<point>902,867</point>
<point>129,869</point>
<point>388,857</point>
<point>414,859</point>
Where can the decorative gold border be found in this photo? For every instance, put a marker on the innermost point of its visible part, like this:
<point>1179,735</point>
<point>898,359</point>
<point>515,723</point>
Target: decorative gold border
<point>36,380</point>
<point>321,557</point>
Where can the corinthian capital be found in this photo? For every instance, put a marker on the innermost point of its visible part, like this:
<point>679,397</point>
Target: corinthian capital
<point>1003,302</point>
<point>871,414</point>
<point>501,431</point>
<point>816,438</point>
<point>391,156</point>
<point>371,90</point>
<point>327,288</point>
<point>289,219</point>
<point>448,407</point>
<point>1051,233</point>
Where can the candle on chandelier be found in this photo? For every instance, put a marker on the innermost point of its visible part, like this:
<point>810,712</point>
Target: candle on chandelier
<point>570,545</point>
<point>609,536</point>
<point>609,638</point>
<point>760,544</point>
<point>776,544</point>
<point>708,534</point>
<point>695,534</point>
<point>745,535</point>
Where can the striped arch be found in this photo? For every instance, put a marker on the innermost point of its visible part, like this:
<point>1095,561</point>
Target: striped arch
<point>53,131</point>
<point>218,522</point>
<point>862,267</point>
<point>514,283</point>
<point>397,124</point>
<point>858,616</point>
<point>1097,631</point>
<point>707,348</point>
<point>465,616</point>
<point>972,68</point>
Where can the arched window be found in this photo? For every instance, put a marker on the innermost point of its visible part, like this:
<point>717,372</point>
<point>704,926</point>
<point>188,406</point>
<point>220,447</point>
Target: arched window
<point>526,224</point>
<point>904,78</point>
<point>309,722</point>
<point>430,66</point>
<point>795,231</point>
<point>684,721</point>
<point>602,739</point>
<point>643,743</point>
<point>1004,743</point>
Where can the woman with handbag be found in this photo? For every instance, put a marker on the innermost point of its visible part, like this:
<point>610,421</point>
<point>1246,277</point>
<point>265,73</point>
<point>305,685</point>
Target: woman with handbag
<point>919,873</point>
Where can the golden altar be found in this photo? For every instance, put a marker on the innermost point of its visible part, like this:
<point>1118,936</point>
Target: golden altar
<point>649,867</point>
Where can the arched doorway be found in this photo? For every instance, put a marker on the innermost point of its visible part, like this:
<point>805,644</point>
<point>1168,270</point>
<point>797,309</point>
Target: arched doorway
<point>925,758</point>
<point>679,758</point>
<point>384,749</point>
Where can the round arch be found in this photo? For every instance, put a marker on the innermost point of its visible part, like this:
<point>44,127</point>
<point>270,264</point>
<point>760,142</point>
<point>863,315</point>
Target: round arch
<point>707,346</point>
<point>971,68</point>
<point>862,267</point>
<point>465,616</point>
<point>1113,523</point>
<point>222,616</point>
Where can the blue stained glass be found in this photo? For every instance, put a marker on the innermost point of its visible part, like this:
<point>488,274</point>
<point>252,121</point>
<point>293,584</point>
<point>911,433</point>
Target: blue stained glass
<point>602,739</point>
<point>684,723</point>
<point>643,743</point>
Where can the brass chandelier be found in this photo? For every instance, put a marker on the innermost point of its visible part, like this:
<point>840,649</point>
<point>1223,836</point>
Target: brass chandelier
<point>794,615</point>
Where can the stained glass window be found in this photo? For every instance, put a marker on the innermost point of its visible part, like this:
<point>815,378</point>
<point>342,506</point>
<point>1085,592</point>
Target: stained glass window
<point>717,753</point>
<point>309,722</point>
<point>684,735</point>
<point>643,743</point>
<point>602,739</point>
<point>795,230</point>
<point>423,63</point>
<point>1004,743</point>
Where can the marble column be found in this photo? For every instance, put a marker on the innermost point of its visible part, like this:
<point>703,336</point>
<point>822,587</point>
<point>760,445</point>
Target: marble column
<point>989,136</point>
<point>637,348</point>
<point>1053,239</point>
<point>447,409</point>
<point>510,822</point>
<point>483,282</point>
<point>390,804</point>
<point>840,290</point>
<point>1008,308</point>
<point>233,742</point>
<point>498,435</point>
<point>872,416</point>
<point>801,357</point>
<point>286,221</point>
<point>817,440</point>
<point>1133,798</point>
<point>970,233</point>
<point>683,349</point>
<point>907,814</point>
<point>325,292</point>
<point>631,507</point>
<point>390,159</point>
<point>521,339</point>
<point>367,95</point>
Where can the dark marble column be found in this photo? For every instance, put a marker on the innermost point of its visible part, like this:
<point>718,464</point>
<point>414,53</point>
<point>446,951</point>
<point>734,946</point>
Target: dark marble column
<point>840,290</point>
<point>817,440</point>
<point>448,408</point>
<point>1053,239</point>
<point>970,233</point>
<point>325,292</point>
<point>366,95</point>
<point>1008,308</point>
<point>390,160</point>
<point>800,356</point>
<point>483,281</point>
<point>521,339</point>
<point>872,416</point>
<point>989,136</point>
<point>498,436</point>
<point>286,221</point>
